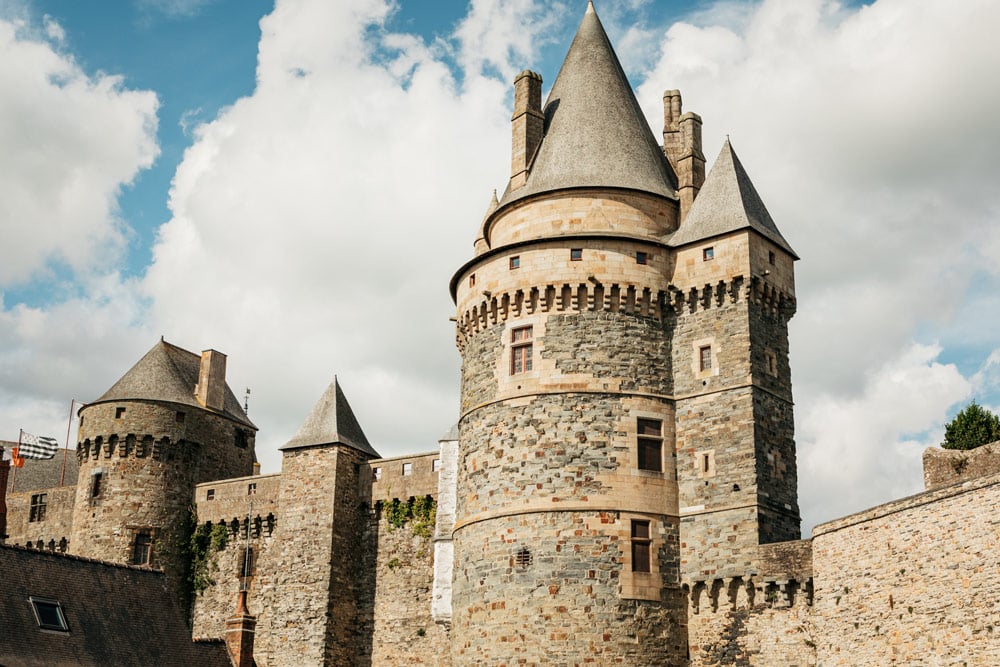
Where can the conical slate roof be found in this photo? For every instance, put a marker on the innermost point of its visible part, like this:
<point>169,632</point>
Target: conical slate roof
<point>727,202</point>
<point>168,373</point>
<point>331,422</point>
<point>595,132</point>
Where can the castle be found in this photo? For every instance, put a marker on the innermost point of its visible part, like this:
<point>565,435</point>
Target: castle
<point>621,486</point>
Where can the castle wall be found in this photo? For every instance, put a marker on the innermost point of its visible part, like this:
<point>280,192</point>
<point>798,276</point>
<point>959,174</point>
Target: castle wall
<point>915,581</point>
<point>54,531</point>
<point>943,467</point>
<point>404,476</point>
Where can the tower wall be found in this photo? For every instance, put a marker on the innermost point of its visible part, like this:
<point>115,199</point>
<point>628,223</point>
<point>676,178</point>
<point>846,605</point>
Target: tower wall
<point>549,486</point>
<point>148,456</point>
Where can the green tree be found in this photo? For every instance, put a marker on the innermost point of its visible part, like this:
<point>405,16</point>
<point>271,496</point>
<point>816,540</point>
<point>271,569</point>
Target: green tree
<point>973,427</point>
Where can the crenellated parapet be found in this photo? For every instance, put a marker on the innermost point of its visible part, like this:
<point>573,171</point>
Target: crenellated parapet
<point>752,590</point>
<point>134,446</point>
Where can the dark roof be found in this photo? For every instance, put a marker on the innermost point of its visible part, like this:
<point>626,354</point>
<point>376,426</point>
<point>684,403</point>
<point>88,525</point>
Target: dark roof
<point>44,474</point>
<point>117,615</point>
<point>169,373</point>
<point>727,202</point>
<point>331,422</point>
<point>595,132</point>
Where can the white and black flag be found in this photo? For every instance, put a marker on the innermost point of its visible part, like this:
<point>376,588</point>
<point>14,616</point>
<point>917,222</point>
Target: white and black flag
<point>37,446</point>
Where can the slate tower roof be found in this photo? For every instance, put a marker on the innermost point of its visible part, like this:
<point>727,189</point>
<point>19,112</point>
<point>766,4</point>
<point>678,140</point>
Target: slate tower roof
<point>595,133</point>
<point>331,422</point>
<point>727,202</point>
<point>169,373</point>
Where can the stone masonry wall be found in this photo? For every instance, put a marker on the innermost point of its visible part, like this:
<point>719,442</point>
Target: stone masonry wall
<point>948,466</point>
<point>404,476</point>
<point>52,530</point>
<point>912,582</point>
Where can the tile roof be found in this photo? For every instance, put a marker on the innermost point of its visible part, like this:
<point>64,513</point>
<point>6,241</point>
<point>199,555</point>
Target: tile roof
<point>331,421</point>
<point>595,133</point>
<point>117,615</point>
<point>169,373</point>
<point>44,474</point>
<point>726,203</point>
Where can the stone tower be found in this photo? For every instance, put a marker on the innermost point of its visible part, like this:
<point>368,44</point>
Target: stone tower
<point>566,530</point>
<point>169,423</point>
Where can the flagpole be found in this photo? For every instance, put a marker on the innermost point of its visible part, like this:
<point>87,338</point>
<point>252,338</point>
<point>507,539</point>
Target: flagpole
<point>69,425</point>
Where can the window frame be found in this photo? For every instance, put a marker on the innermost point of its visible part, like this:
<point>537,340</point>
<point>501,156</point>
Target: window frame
<point>522,346</point>
<point>142,543</point>
<point>641,257</point>
<point>641,545</point>
<point>38,508</point>
<point>407,469</point>
<point>705,361</point>
<point>515,262</point>
<point>649,444</point>
<point>708,254</point>
<point>56,606</point>
<point>576,254</point>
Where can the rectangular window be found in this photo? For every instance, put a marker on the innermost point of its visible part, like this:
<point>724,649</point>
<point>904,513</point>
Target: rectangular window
<point>210,494</point>
<point>640,546</point>
<point>520,350</point>
<point>142,547</point>
<point>708,253</point>
<point>407,469</point>
<point>576,254</point>
<point>472,280</point>
<point>770,257</point>
<point>515,261</point>
<point>650,444</point>
<point>251,488</point>
<point>179,417</point>
<point>119,413</point>
<point>39,502</point>
<point>48,614</point>
<point>378,474</point>
<point>436,465</point>
<point>705,358</point>
<point>96,484</point>
<point>641,258</point>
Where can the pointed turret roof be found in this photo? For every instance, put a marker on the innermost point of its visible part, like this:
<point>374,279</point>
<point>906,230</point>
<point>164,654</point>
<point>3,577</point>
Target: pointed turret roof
<point>331,422</point>
<point>726,203</point>
<point>168,373</point>
<point>595,132</point>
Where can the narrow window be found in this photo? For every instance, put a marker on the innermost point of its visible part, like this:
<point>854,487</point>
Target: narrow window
<point>241,438</point>
<point>142,547</point>
<point>119,413</point>
<point>708,253</point>
<point>705,358</point>
<point>210,494</point>
<point>436,465</point>
<point>251,488</point>
<point>39,502</point>
<point>48,614</point>
<point>706,463</point>
<point>378,474</point>
<point>650,444</point>
<point>515,261</point>
<point>640,546</point>
<point>770,256</point>
<point>472,280</point>
<point>407,469</point>
<point>641,258</point>
<point>576,254</point>
<point>179,417</point>
<point>520,350</point>
<point>96,484</point>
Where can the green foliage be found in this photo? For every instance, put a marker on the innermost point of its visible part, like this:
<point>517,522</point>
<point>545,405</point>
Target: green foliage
<point>420,513</point>
<point>973,427</point>
<point>204,544</point>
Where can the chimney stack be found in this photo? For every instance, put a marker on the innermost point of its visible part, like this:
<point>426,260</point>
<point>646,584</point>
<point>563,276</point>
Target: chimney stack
<point>211,388</point>
<point>527,125</point>
<point>682,146</point>
<point>240,634</point>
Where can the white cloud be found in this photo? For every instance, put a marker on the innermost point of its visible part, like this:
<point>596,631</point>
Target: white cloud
<point>504,35</point>
<point>69,143</point>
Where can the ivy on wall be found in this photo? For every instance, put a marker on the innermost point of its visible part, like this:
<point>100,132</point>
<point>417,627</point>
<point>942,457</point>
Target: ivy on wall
<point>420,513</point>
<point>206,541</point>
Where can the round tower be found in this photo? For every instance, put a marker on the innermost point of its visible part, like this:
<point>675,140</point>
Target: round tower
<point>168,424</point>
<point>566,532</point>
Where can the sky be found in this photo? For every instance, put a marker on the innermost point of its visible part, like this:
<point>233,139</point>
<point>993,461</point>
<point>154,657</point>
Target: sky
<point>294,183</point>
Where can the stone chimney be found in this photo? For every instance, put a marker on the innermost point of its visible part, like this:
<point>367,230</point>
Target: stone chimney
<point>211,388</point>
<point>240,633</point>
<point>682,145</point>
<point>527,125</point>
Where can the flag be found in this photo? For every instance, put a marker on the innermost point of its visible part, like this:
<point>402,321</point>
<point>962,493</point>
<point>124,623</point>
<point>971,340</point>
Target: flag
<point>15,460</point>
<point>37,446</point>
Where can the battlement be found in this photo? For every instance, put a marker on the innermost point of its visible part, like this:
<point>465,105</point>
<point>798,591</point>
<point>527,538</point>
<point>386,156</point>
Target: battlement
<point>229,500</point>
<point>405,477</point>
<point>139,447</point>
<point>731,593</point>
